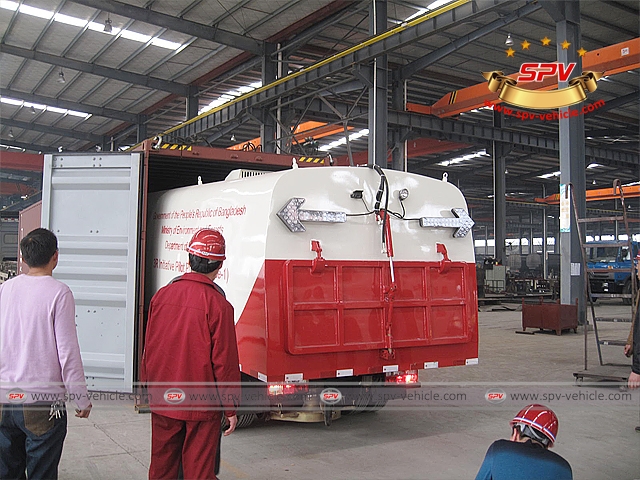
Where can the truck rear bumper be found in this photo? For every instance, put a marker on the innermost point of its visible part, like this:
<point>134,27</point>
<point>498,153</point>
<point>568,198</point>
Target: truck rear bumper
<point>309,402</point>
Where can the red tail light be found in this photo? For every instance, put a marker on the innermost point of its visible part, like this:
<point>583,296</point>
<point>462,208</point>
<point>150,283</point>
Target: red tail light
<point>275,389</point>
<point>407,378</point>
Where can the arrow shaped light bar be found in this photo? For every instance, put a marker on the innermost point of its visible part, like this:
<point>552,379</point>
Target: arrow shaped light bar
<point>292,216</point>
<point>462,223</point>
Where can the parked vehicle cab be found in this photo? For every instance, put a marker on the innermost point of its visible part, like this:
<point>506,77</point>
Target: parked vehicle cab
<point>610,268</point>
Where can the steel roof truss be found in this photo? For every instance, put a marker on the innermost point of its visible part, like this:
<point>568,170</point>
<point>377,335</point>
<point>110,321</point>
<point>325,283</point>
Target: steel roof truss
<point>199,30</point>
<point>53,130</point>
<point>128,77</point>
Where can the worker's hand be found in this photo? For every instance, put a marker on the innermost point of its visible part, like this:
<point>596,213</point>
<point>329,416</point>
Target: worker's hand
<point>233,421</point>
<point>84,413</point>
<point>628,350</point>
<point>634,380</point>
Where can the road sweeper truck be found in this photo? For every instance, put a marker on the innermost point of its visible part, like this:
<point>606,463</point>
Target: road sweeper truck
<point>345,281</point>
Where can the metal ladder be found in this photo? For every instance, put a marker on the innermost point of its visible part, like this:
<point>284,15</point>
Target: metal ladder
<point>617,187</point>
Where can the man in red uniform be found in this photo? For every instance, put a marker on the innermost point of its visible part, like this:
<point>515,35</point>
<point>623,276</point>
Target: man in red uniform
<point>190,347</point>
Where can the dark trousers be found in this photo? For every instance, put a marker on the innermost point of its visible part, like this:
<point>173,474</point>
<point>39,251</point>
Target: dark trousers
<point>176,443</point>
<point>30,443</point>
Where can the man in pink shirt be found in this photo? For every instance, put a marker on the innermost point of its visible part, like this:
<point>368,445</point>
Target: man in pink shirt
<point>40,364</point>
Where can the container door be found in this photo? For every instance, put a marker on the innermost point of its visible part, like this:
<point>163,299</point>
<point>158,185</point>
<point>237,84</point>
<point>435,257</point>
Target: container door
<point>91,202</point>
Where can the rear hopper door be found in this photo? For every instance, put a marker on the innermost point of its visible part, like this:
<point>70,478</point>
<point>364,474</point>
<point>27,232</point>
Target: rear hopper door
<point>344,307</point>
<point>91,202</point>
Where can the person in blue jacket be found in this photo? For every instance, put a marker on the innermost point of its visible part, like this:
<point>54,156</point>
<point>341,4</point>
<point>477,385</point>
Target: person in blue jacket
<point>526,456</point>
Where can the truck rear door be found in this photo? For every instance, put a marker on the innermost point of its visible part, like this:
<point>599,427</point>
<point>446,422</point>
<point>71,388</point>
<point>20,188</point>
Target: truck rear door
<point>92,204</point>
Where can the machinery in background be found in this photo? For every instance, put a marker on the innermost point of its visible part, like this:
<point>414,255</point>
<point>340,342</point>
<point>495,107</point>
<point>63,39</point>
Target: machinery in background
<point>521,277</point>
<point>8,246</point>
<point>9,237</point>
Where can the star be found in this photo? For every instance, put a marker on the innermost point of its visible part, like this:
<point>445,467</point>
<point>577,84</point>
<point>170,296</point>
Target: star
<point>546,42</point>
<point>581,52</point>
<point>510,52</point>
<point>565,45</point>
<point>525,45</point>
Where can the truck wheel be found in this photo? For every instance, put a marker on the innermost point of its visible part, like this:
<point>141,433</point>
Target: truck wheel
<point>627,289</point>
<point>375,406</point>
<point>361,403</point>
<point>246,420</point>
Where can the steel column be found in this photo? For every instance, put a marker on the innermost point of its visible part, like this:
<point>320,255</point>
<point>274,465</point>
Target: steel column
<point>486,241</point>
<point>499,191</point>
<point>572,158</point>
<point>141,128</point>
<point>268,123</point>
<point>545,260</point>
<point>378,92</point>
<point>399,135</point>
<point>283,68</point>
<point>530,233</point>
<point>193,104</point>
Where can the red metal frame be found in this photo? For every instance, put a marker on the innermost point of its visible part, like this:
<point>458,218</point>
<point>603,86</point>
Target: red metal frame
<point>222,154</point>
<point>11,188</point>
<point>29,162</point>
<point>630,191</point>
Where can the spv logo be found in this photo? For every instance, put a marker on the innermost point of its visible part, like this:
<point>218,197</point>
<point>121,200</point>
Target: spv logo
<point>536,72</point>
<point>330,396</point>
<point>174,396</point>
<point>495,395</point>
<point>16,396</point>
<point>574,91</point>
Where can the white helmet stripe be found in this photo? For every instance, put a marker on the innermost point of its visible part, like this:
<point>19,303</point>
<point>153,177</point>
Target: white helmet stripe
<point>536,425</point>
<point>204,254</point>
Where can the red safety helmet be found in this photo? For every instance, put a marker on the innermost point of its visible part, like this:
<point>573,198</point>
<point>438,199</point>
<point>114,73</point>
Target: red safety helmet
<point>207,243</point>
<point>539,418</point>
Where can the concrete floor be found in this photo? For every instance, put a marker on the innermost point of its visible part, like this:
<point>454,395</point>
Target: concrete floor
<point>410,439</point>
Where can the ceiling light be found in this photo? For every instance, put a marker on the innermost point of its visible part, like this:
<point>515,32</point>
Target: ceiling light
<point>61,77</point>
<point>506,171</point>
<point>32,110</point>
<point>509,41</point>
<point>233,137</point>
<point>594,182</point>
<point>82,23</point>
<point>11,135</point>
<point>60,149</point>
<point>107,25</point>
